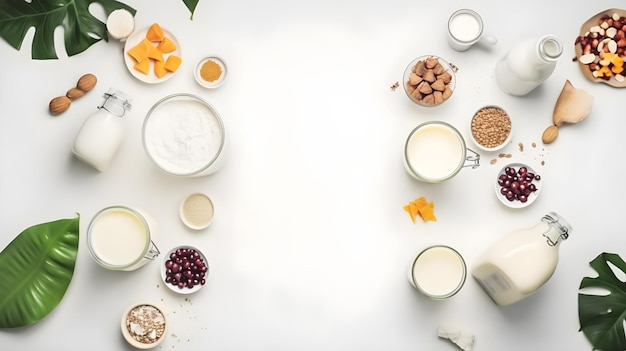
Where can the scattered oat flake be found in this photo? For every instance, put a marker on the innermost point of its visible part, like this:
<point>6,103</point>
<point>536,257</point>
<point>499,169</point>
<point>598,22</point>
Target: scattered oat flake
<point>493,161</point>
<point>395,86</point>
<point>521,147</point>
<point>534,145</point>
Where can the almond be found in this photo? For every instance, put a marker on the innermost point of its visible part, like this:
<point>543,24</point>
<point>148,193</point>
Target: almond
<point>59,104</point>
<point>550,134</point>
<point>74,93</point>
<point>86,82</point>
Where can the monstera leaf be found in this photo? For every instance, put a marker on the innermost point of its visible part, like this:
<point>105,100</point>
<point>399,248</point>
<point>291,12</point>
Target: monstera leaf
<point>35,270</point>
<point>81,28</point>
<point>602,316</point>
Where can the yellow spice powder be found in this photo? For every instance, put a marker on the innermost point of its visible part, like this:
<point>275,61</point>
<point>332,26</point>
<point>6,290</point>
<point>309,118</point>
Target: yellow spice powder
<point>210,71</point>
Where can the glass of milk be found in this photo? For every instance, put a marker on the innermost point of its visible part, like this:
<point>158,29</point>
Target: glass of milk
<point>438,272</point>
<point>465,28</point>
<point>435,151</point>
<point>119,238</point>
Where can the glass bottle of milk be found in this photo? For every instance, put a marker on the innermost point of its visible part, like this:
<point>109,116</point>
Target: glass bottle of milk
<point>101,134</point>
<point>528,64</point>
<point>519,264</point>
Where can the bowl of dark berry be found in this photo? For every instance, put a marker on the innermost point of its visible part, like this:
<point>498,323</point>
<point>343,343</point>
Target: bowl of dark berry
<point>184,269</point>
<point>517,185</point>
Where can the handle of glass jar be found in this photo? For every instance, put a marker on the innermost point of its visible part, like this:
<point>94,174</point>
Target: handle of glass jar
<point>153,251</point>
<point>472,160</point>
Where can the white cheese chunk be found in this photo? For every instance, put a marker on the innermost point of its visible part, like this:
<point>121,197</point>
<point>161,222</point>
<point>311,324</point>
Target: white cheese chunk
<point>462,337</point>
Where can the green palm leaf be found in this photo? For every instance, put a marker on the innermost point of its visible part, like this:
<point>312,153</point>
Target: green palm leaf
<point>81,28</point>
<point>37,267</point>
<point>602,316</point>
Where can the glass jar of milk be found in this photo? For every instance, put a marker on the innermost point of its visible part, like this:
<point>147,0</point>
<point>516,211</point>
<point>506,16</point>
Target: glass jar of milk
<point>519,264</point>
<point>100,136</point>
<point>120,238</point>
<point>435,151</point>
<point>528,64</point>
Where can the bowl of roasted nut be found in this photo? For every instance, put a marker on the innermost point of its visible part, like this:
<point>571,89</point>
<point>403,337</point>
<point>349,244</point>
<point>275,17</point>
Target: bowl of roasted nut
<point>491,128</point>
<point>429,80</point>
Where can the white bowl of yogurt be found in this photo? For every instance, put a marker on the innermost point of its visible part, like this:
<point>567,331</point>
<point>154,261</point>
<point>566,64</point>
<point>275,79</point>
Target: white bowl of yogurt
<point>183,135</point>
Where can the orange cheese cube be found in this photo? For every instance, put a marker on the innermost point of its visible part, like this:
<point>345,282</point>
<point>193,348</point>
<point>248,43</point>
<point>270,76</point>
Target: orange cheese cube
<point>172,63</point>
<point>166,45</point>
<point>155,33</point>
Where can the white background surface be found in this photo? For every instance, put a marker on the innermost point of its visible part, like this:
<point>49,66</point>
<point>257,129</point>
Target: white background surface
<point>310,246</point>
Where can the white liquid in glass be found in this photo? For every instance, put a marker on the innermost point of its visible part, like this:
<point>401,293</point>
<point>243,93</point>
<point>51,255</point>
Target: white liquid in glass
<point>438,271</point>
<point>435,151</point>
<point>465,27</point>
<point>119,237</point>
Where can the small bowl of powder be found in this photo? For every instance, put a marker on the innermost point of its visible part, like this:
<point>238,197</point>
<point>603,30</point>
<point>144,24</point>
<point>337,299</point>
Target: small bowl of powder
<point>210,72</point>
<point>197,211</point>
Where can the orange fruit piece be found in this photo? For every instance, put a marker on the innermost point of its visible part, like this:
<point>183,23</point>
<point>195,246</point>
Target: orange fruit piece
<point>166,45</point>
<point>143,66</point>
<point>159,69</point>
<point>155,33</point>
<point>172,63</point>
<point>139,52</point>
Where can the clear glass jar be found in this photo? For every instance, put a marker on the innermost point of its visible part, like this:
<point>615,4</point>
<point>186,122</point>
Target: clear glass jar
<point>100,136</point>
<point>120,238</point>
<point>520,263</point>
<point>528,64</point>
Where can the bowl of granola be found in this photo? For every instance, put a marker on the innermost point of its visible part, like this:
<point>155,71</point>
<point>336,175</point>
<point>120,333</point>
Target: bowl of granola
<point>144,325</point>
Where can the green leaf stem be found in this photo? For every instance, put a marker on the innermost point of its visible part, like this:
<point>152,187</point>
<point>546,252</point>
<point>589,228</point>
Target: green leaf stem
<point>37,267</point>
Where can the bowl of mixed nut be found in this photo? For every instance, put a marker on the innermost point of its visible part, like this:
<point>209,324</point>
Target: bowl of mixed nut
<point>601,48</point>
<point>491,128</point>
<point>429,80</point>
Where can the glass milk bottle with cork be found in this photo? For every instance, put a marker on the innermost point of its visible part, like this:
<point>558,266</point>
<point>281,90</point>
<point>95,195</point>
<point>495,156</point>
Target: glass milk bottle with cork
<point>528,64</point>
<point>520,263</point>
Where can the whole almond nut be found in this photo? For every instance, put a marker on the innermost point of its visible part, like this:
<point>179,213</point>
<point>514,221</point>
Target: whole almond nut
<point>59,104</point>
<point>74,93</point>
<point>550,134</point>
<point>86,82</point>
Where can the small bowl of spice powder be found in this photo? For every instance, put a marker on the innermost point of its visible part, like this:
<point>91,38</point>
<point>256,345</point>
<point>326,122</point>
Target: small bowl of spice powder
<point>197,211</point>
<point>491,128</point>
<point>144,325</point>
<point>210,72</point>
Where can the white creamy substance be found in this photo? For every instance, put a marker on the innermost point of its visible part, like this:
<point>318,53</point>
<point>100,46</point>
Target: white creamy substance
<point>120,24</point>
<point>183,137</point>
<point>465,27</point>
<point>434,151</point>
<point>118,237</point>
<point>438,271</point>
